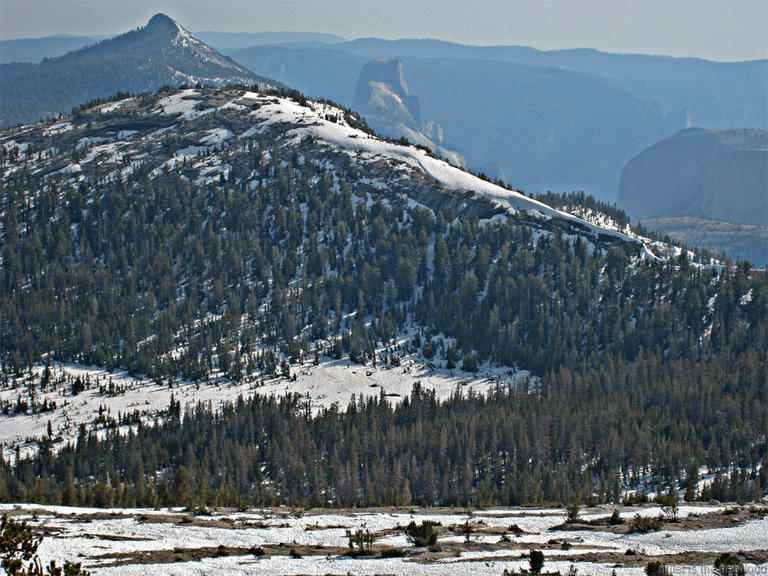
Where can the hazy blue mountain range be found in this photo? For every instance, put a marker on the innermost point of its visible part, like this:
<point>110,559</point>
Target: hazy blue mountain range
<point>33,50</point>
<point>543,128</point>
<point>230,40</point>
<point>564,119</point>
<point>141,60</point>
<point>716,94</point>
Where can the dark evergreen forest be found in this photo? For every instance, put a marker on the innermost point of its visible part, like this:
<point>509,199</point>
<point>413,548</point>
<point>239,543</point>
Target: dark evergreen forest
<point>645,368</point>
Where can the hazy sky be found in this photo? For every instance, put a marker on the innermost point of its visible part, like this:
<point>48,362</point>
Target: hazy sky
<point>712,29</point>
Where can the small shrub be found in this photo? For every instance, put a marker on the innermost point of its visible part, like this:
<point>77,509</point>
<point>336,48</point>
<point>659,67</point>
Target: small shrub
<point>536,561</point>
<point>616,518</point>
<point>467,530</point>
<point>645,524</point>
<point>258,551</point>
<point>669,506</point>
<point>572,512</point>
<point>514,528</point>
<point>656,568</point>
<point>729,565</point>
<point>362,538</point>
<point>422,535</point>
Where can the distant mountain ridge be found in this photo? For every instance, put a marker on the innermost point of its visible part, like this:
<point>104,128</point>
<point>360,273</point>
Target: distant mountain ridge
<point>544,128</point>
<point>717,94</point>
<point>33,50</point>
<point>230,40</point>
<point>719,174</point>
<point>140,60</point>
<point>695,183</point>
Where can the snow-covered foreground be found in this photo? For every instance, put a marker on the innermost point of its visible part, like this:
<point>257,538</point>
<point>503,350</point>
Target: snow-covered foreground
<point>147,542</point>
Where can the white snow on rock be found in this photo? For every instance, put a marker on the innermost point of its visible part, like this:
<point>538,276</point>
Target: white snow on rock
<point>58,128</point>
<point>353,140</point>
<point>217,136</point>
<point>181,103</point>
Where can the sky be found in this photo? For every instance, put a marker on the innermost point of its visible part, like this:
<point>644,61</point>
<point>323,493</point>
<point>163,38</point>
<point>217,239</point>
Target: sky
<point>723,30</point>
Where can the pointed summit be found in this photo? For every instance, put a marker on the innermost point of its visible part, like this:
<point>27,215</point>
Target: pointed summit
<point>160,24</point>
<point>160,20</point>
<point>142,60</point>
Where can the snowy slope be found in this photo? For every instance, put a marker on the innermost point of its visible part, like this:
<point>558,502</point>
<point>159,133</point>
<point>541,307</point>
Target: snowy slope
<point>117,393</point>
<point>302,121</point>
<point>451,177</point>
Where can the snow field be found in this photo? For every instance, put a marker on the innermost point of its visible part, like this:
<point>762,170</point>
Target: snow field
<point>83,541</point>
<point>330,382</point>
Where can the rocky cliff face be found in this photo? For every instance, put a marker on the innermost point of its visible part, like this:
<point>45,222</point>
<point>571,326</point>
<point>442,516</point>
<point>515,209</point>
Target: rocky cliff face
<point>381,92</point>
<point>381,95</point>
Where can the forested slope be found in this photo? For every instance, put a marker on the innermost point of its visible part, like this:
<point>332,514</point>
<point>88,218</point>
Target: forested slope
<point>226,233</point>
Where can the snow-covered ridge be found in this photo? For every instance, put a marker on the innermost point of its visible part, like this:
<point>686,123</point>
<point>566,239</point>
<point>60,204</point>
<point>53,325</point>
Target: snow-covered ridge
<point>321,122</point>
<point>314,124</point>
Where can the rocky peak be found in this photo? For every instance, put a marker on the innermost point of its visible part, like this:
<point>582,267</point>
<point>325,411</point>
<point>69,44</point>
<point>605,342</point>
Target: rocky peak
<point>381,90</point>
<point>382,97</point>
<point>388,72</point>
<point>162,23</point>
